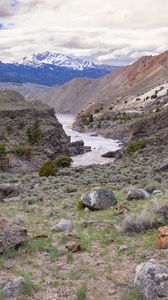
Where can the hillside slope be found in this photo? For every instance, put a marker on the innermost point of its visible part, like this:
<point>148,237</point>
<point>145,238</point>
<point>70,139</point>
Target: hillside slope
<point>113,89</point>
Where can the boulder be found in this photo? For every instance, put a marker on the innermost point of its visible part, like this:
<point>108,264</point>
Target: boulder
<point>162,237</point>
<point>99,198</point>
<point>163,166</point>
<point>78,147</point>
<point>151,280</point>
<point>11,287</point>
<point>112,154</point>
<point>8,190</point>
<point>137,194</point>
<point>11,235</point>
<point>63,225</point>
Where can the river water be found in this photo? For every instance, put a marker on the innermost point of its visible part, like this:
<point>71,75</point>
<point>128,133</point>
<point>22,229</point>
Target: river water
<point>99,144</point>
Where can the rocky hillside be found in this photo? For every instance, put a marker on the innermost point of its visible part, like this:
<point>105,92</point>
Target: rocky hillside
<point>116,90</point>
<point>30,132</point>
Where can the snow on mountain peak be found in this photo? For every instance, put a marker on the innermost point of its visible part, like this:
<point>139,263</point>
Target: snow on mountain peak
<point>57,59</point>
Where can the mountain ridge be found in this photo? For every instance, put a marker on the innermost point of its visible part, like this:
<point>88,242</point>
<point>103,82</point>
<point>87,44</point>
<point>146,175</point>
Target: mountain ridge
<point>116,89</point>
<point>50,70</point>
<point>61,60</point>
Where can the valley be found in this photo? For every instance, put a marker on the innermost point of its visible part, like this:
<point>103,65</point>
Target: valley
<point>87,228</point>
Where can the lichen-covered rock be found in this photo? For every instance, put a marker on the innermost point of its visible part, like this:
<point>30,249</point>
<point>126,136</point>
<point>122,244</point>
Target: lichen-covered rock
<point>11,287</point>
<point>11,235</point>
<point>151,280</point>
<point>9,190</point>
<point>137,194</point>
<point>98,198</point>
<point>162,237</point>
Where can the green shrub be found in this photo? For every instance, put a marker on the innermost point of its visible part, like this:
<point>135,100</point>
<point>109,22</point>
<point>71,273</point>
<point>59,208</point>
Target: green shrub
<point>48,168</point>
<point>86,119</point>
<point>34,133</point>
<point>22,151</point>
<point>80,205</point>
<point>63,161</point>
<point>136,146</point>
<point>81,293</point>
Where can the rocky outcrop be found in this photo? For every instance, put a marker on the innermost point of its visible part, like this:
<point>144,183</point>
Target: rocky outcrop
<point>151,280</point>
<point>11,235</point>
<point>29,125</point>
<point>99,198</point>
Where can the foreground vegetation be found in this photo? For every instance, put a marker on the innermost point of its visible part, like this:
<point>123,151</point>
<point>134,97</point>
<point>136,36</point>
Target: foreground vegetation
<point>104,268</point>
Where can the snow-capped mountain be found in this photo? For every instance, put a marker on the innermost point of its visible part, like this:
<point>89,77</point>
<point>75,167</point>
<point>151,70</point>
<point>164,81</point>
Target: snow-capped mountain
<point>58,59</point>
<point>51,69</point>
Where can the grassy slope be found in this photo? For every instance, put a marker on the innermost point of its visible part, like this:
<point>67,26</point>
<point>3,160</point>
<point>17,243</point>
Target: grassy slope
<point>105,271</point>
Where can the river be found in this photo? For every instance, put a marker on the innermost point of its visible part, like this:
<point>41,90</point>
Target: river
<point>99,144</point>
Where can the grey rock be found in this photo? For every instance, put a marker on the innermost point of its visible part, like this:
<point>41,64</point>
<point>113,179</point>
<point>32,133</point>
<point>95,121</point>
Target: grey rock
<point>99,198</point>
<point>11,287</point>
<point>137,194</point>
<point>112,154</point>
<point>11,235</point>
<point>151,280</point>
<point>163,166</point>
<point>157,192</point>
<point>125,248</point>
<point>77,148</point>
<point>63,225</point>
<point>9,190</point>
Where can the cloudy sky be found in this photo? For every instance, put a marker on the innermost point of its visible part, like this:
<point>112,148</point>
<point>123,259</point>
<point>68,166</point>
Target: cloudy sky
<point>106,31</point>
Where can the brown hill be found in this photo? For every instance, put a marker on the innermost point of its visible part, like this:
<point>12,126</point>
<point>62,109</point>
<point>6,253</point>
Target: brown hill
<point>114,89</point>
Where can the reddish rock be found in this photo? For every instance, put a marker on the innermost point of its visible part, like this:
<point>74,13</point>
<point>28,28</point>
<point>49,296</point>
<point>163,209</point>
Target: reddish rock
<point>73,247</point>
<point>162,237</point>
<point>121,209</point>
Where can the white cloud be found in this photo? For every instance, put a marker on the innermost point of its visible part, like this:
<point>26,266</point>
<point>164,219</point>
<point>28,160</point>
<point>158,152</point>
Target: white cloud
<point>108,31</point>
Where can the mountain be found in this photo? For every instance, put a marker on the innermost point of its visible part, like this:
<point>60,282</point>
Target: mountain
<point>61,60</point>
<point>50,69</point>
<point>119,89</point>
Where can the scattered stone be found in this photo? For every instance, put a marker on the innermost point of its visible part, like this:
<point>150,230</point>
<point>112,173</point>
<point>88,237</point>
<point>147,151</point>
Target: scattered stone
<point>63,225</point>
<point>20,220</point>
<point>137,194</point>
<point>11,287</point>
<point>124,248</point>
<point>99,198</point>
<point>87,209</point>
<point>112,292</point>
<point>8,190</point>
<point>157,192</point>
<point>151,280</point>
<point>112,154</point>
<point>73,247</point>
<point>121,209</point>
<point>163,166</point>
<point>11,235</point>
<point>162,237</point>
<point>94,134</point>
